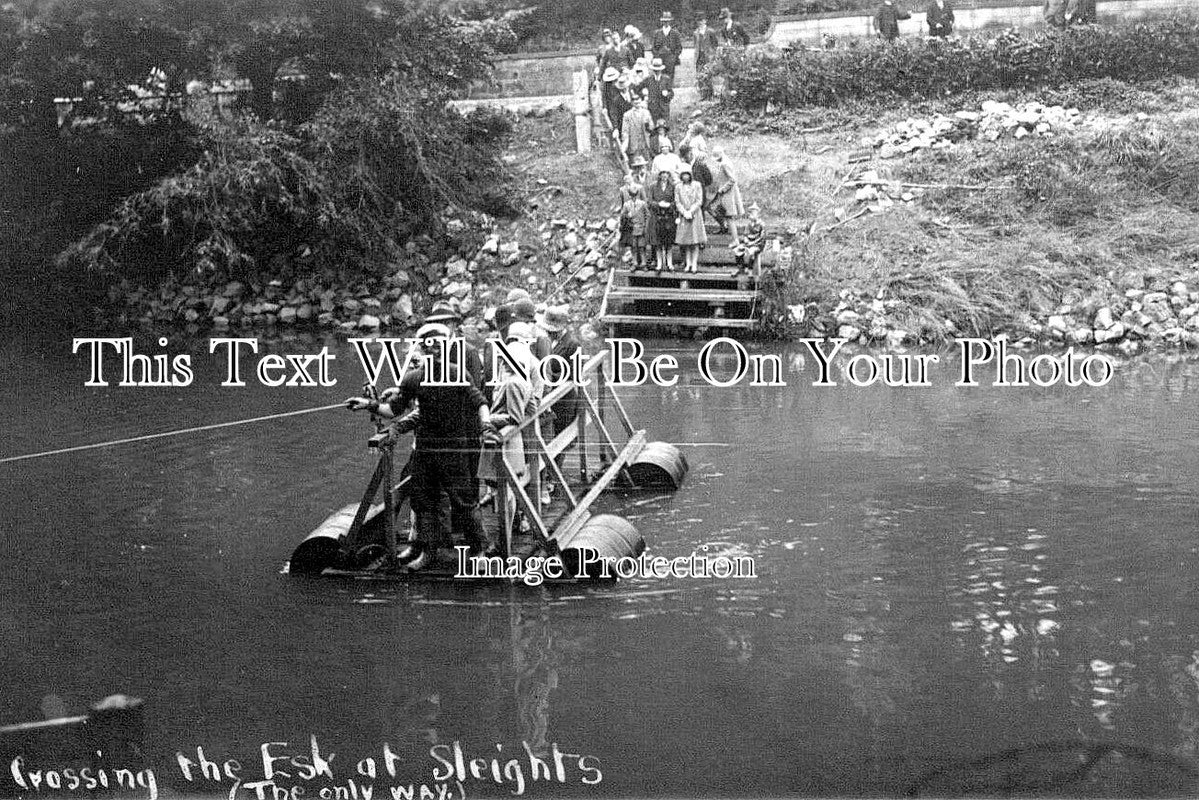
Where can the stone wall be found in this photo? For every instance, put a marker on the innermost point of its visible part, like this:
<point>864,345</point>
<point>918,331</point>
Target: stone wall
<point>969,17</point>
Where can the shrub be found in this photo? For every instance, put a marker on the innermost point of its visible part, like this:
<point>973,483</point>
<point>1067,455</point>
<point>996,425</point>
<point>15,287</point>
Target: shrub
<point>930,68</point>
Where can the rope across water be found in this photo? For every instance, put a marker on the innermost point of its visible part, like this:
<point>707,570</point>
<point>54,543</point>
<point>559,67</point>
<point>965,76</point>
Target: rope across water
<point>165,434</point>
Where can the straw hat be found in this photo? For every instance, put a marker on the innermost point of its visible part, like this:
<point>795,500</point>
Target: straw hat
<point>432,329</point>
<point>521,330</point>
<point>658,65</point>
<point>517,294</point>
<point>638,161</point>
<point>443,312</point>
<point>666,17</point>
<point>611,74</point>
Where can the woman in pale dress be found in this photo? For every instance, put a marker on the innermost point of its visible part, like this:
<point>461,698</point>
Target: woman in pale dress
<point>689,202</point>
<point>512,401</point>
<point>726,205</point>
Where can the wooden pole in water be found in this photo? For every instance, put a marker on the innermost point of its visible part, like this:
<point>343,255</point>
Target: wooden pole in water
<point>582,109</point>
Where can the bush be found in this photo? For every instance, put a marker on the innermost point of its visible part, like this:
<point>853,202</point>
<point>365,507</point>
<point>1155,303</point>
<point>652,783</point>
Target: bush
<point>379,161</point>
<point>930,68</point>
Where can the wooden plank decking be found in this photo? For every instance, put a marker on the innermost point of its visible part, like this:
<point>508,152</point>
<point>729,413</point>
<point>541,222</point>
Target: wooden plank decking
<point>714,297</point>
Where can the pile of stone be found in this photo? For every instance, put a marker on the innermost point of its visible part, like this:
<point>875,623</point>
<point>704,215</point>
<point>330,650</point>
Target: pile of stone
<point>995,120</point>
<point>1135,311</point>
<point>565,257</point>
<point>873,194</point>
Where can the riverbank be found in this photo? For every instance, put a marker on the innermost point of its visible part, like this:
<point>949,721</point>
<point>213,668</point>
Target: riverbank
<point>1077,222</point>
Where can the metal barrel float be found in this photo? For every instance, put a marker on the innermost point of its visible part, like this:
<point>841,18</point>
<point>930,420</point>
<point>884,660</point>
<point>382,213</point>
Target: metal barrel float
<point>659,466</point>
<point>603,536</point>
<point>322,549</point>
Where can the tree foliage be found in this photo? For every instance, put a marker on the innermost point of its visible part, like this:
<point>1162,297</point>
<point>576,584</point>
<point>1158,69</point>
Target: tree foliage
<point>331,168</point>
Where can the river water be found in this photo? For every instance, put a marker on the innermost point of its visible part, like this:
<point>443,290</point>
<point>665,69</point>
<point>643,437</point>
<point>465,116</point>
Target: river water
<point>957,589</point>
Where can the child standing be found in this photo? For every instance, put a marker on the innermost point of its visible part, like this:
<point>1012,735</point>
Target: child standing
<point>634,217</point>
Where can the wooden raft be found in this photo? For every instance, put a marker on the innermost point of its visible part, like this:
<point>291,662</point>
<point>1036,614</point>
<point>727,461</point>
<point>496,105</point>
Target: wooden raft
<point>602,435</point>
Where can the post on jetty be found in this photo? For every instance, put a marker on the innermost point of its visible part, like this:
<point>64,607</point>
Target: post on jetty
<point>582,110</point>
<point>363,540</point>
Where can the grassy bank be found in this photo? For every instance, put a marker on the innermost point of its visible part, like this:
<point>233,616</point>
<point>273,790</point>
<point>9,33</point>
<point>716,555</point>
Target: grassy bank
<point>1066,226</point>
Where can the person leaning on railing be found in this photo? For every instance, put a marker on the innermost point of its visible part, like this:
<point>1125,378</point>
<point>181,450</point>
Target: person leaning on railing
<point>448,434</point>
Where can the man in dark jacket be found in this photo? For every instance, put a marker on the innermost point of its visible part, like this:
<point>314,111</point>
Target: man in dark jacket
<point>556,321</point>
<point>667,45</point>
<point>707,41</point>
<point>658,92</point>
<point>940,18</point>
<point>448,441</point>
<point>732,33</point>
<point>886,20</point>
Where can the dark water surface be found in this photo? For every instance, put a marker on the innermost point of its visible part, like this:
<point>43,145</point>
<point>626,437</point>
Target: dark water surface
<point>943,575</point>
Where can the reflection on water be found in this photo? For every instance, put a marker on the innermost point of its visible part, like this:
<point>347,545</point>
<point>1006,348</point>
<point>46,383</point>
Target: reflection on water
<point>957,590</point>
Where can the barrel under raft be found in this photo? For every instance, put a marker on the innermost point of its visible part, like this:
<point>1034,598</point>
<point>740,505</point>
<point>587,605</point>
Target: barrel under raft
<point>607,536</point>
<point>659,465</point>
<point>321,550</point>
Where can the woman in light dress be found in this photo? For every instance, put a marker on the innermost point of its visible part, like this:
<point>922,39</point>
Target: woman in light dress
<point>690,233</point>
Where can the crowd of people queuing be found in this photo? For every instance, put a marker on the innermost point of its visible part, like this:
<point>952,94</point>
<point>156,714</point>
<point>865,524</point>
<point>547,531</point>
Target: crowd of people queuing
<point>453,426</point>
<point>669,192</point>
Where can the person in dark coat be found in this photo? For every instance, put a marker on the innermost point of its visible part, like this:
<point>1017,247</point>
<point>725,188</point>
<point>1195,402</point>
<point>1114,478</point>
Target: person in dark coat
<point>939,16</point>
<point>886,20</point>
<point>732,33</point>
<point>707,42</point>
<point>556,322</point>
<point>667,45</point>
<point>658,91</point>
<point>448,434</point>
<point>633,47</point>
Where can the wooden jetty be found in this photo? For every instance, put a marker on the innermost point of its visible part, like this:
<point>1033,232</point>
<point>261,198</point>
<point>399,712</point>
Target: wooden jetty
<point>369,539</point>
<point>715,297</point>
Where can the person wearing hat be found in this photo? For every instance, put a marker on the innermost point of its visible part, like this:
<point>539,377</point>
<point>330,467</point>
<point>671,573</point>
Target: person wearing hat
<point>748,249</point>
<point>603,56</point>
<point>523,310</point>
<point>609,94</point>
<point>660,233</point>
<point>707,42</point>
<point>634,216</point>
<point>635,131</point>
<point>667,45</point>
<point>556,322</point>
<point>633,47</point>
<point>732,33</point>
<point>512,400</point>
<point>666,161</point>
<point>448,441</point>
<point>660,136</point>
<point>690,233</point>
<point>726,203</point>
<point>444,314</point>
<point>658,90</point>
<point>637,171</point>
